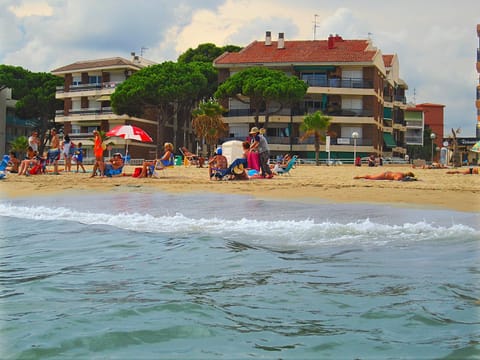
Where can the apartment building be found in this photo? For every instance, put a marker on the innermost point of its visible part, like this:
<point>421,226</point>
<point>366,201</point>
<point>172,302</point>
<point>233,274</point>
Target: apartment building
<point>477,103</point>
<point>415,124</point>
<point>86,93</point>
<point>349,80</point>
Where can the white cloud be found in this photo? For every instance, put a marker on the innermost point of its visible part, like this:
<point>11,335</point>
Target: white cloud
<point>436,50</point>
<point>31,8</point>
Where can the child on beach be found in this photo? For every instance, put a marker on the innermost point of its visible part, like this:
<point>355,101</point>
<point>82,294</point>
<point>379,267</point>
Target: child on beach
<point>79,157</point>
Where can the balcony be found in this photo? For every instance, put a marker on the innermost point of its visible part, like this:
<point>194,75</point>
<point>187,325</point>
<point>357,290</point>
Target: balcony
<point>283,140</point>
<point>336,112</point>
<point>347,83</point>
<point>86,111</point>
<point>86,87</point>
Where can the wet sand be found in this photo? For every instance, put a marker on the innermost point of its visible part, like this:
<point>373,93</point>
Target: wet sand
<point>434,188</point>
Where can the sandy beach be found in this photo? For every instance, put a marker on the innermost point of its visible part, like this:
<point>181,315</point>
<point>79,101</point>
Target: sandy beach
<point>434,188</point>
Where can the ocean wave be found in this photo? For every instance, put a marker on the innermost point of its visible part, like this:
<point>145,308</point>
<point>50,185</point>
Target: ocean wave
<point>258,232</point>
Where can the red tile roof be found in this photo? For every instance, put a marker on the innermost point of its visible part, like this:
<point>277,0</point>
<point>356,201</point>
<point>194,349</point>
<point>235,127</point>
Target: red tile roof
<point>310,51</point>
<point>387,60</point>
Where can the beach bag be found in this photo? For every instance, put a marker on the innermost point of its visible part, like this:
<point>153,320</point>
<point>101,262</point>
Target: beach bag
<point>35,170</point>
<point>137,172</point>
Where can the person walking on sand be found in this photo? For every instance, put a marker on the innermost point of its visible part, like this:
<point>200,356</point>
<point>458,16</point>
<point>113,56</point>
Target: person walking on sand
<point>389,175</point>
<point>54,152</point>
<point>98,152</point>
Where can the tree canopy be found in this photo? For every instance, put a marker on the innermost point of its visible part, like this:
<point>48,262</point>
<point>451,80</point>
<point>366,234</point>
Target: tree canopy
<point>35,95</point>
<point>206,53</point>
<point>208,123</point>
<point>266,90</point>
<point>315,125</point>
<point>169,88</point>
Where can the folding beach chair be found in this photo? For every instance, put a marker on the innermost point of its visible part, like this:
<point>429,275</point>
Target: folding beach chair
<point>160,166</point>
<point>3,166</point>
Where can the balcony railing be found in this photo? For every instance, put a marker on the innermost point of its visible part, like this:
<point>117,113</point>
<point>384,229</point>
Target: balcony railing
<point>284,140</point>
<point>400,98</point>
<point>85,87</point>
<point>86,111</point>
<point>348,83</point>
<point>339,112</point>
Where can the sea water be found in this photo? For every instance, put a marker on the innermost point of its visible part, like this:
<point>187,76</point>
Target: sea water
<point>131,275</point>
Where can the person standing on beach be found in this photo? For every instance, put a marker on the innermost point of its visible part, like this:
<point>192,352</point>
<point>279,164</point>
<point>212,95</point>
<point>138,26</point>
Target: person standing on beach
<point>261,145</point>
<point>34,141</point>
<point>79,157</point>
<point>66,151</point>
<point>54,152</point>
<point>98,152</point>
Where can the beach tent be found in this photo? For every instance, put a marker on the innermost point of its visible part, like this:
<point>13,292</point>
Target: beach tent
<point>232,150</point>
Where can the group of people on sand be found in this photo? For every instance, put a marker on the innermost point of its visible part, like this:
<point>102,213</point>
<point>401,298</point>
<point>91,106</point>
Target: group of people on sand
<point>255,156</point>
<point>34,163</point>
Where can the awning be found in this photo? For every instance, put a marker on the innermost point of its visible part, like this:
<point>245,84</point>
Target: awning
<point>389,140</point>
<point>103,98</point>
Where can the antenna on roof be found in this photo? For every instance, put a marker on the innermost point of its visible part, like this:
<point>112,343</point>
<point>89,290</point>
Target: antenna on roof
<point>414,96</point>
<point>315,26</point>
<point>370,36</point>
<point>142,50</point>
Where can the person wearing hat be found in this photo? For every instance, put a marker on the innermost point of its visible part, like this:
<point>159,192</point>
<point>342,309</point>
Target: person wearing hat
<point>260,144</point>
<point>253,157</point>
<point>237,169</point>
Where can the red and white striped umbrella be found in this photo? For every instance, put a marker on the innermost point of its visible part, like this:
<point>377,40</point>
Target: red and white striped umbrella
<point>129,132</point>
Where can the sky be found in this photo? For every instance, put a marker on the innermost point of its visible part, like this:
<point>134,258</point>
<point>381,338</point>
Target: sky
<point>436,41</point>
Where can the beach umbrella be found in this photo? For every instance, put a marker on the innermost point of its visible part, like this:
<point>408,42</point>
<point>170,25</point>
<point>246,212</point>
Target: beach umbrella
<point>476,147</point>
<point>129,132</point>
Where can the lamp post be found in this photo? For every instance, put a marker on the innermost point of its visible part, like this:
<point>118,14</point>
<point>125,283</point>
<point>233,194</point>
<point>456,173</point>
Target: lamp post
<point>432,137</point>
<point>354,137</point>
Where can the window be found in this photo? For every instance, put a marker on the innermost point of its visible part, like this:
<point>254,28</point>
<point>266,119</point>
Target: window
<point>315,79</point>
<point>95,79</point>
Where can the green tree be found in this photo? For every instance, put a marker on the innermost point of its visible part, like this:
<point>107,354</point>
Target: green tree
<point>315,125</point>
<point>266,91</point>
<point>203,56</point>
<point>20,146</point>
<point>169,89</point>
<point>206,53</point>
<point>208,123</point>
<point>35,93</point>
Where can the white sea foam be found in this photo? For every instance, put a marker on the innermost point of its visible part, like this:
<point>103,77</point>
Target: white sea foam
<point>257,232</point>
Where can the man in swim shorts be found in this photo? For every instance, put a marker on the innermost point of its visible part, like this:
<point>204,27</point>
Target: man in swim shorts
<point>53,154</point>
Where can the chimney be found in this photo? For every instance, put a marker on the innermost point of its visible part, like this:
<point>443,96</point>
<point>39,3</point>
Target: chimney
<point>268,38</point>
<point>331,41</point>
<point>281,41</point>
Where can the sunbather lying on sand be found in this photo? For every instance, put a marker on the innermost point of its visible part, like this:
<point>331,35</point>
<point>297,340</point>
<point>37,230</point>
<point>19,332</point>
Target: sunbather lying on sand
<point>469,171</point>
<point>389,175</point>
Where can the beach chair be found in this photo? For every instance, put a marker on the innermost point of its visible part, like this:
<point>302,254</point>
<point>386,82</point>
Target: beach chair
<point>290,165</point>
<point>160,166</point>
<point>3,166</point>
<point>190,158</point>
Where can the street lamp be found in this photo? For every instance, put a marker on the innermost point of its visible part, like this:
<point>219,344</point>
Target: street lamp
<point>432,137</point>
<point>354,137</point>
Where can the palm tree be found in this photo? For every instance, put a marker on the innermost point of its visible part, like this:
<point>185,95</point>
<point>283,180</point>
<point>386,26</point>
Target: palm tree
<point>315,125</point>
<point>208,122</point>
<point>20,146</point>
